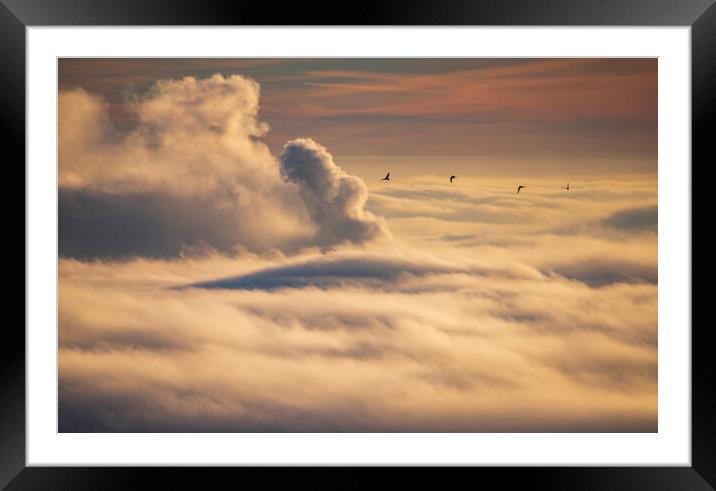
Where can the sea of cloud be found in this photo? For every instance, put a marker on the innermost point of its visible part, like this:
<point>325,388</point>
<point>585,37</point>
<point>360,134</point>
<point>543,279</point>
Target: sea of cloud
<point>206,285</point>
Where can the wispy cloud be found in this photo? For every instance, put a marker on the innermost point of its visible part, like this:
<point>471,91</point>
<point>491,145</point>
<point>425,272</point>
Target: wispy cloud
<point>517,108</point>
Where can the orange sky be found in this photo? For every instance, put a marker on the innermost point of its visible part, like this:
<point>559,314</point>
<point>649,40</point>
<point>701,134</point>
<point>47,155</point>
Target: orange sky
<point>576,109</point>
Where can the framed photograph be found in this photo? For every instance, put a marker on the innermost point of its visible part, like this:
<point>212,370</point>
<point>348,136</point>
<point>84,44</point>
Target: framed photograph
<point>425,235</point>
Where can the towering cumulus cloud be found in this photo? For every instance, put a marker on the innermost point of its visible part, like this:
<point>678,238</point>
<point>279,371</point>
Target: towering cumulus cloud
<point>191,173</point>
<point>334,199</point>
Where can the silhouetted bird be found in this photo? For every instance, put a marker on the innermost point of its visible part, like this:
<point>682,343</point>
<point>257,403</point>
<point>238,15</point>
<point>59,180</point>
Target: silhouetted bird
<point>387,177</point>
<point>452,177</point>
<point>567,188</point>
<point>520,187</point>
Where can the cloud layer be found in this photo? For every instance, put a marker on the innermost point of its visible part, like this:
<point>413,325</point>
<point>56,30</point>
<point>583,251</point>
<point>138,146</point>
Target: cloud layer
<point>544,320</point>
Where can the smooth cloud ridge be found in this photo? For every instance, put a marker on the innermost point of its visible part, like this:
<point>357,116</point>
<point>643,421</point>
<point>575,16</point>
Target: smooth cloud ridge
<point>330,273</point>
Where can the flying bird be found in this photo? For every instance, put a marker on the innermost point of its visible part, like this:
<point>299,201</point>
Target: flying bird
<point>452,177</point>
<point>387,177</point>
<point>567,188</point>
<point>520,187</point>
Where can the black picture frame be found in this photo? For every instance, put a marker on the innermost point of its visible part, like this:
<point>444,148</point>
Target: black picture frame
<point>16,15</point>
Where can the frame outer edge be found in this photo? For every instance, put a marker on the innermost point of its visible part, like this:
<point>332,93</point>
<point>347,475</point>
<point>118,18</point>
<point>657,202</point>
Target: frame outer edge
<point>703,116</point>
<point>12,245</point>
<point>369,12</point>
<point>12,100</point>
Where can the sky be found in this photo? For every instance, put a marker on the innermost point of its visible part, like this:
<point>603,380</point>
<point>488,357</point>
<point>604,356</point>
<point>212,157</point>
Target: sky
<point>230,259</point>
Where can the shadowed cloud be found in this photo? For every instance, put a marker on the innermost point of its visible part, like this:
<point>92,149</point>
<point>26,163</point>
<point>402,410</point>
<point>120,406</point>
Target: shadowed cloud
<point>326,273</point>
<point>635,219</point>
<point>599,272</point>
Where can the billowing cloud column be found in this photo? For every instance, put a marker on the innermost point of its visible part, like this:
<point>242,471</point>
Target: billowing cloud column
<point>334,199</point>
